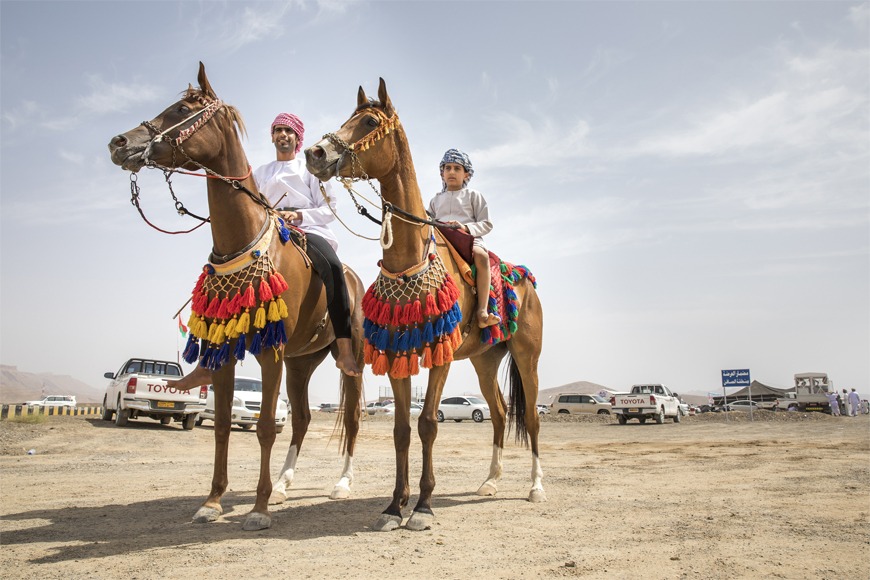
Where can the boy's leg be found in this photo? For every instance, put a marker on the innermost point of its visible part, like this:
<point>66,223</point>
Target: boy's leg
<point>482,282</point>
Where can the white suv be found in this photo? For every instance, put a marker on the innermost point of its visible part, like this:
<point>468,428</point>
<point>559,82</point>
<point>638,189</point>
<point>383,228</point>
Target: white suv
<point>247,400</point>
<point>54,401</point>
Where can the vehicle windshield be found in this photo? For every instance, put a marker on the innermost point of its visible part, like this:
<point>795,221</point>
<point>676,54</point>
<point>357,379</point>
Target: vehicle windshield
<point>476,401</point>
<point>600,399</point>
<point>249,386</point>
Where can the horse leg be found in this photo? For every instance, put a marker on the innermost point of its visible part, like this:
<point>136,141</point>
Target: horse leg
<point>427,426</point>
<point>525,349</point>
<point>299,371</point>
<point>223,381</point>
<point>259,518</point>
<point>351,397</point>
<point>486,366</point>
<point>391,518</point>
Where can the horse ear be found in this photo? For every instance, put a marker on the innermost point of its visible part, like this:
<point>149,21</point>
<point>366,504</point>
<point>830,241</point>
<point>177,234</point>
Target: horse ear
<point>361,98</point>
<point>204,85</point>
<point>384,98</point>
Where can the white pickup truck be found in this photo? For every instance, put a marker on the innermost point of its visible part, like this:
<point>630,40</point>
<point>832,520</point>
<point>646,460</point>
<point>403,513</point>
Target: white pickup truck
<point>646,402</point>
<point>139,389</point>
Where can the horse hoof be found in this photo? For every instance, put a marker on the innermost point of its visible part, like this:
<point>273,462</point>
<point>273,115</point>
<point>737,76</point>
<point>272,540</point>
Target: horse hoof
<point>537,496</point>
<point>205,515</point>
<point>487,489</point>
<point>277,498</point>
<point>257,521</point>
<point>340,492</point>
<point>387,523</point>
<point>420,521</point>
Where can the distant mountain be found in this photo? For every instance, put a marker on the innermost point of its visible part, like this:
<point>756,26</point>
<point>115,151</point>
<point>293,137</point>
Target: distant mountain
<point>17,387</point>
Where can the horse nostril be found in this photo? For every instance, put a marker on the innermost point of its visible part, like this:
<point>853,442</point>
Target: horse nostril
<point>119,141</point>
<point>317,152</point>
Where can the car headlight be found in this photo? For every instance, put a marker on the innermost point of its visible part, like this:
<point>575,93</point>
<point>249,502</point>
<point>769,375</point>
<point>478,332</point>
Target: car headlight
<point>282,406</point>
<point>237,402</point>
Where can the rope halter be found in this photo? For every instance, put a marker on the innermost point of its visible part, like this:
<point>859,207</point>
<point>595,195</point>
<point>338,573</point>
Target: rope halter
<point>201,118</point>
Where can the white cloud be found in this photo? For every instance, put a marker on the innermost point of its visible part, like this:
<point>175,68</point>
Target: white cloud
<point>860,15</point>
<point>115,97</point>
<point>542,143</point>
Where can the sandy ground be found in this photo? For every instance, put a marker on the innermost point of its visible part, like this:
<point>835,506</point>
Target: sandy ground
<point>782,497</point>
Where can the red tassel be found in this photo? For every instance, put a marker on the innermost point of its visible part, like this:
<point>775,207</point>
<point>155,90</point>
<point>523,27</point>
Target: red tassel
<point>248,299</point>
<point>199,282</point>
<point>495,331</point>
<point>200,303</point>
<point>397,312</point>
<point>235,306</point>
<point>277,283</point>
<point>384,314</point>
<point>452,289</point>
<point>367,302</point>
<point>431,307</point>
<point>416,316</point>
<point>444,302</point>
<point>223,310</point>
<point>438,355</point>
<point>400,368</point>
<point>405,318</point>
<point>368,353</point>
<point>381,365</point>
<point>212,309</point>
<point>427,357</point>
<point>414,365</point>
<point>265,291</point>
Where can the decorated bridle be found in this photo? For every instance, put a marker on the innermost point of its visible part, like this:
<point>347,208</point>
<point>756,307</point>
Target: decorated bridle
<point>387,125</point>
<point>199,119</point>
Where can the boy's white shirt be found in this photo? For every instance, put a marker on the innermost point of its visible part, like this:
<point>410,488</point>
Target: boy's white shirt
<point>303,193</point>
<point>466,206</point>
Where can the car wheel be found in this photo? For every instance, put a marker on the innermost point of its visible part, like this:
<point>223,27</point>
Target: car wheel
<point>123,415</point>
<point>165,420</point>
<point>642,420</point>
<point>603,412</point>
<point>279,429</point>
<point>107,412</point>
<point>660,418</point>
<point>199,420</point>
<point>564,412</point>
<point>622,420</point>
<point>247,427</point>
<point>458,420</point>
<point>189,421</point>
<point>477,416</point>
<point>678,417</point>
<point>440,416</point>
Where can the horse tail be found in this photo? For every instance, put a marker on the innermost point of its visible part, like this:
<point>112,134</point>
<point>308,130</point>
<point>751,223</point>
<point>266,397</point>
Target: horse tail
<point>517,403</point>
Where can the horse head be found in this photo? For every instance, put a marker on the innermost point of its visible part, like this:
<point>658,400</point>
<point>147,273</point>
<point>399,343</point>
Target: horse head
<point>158,142</point>
<point>359,149</point>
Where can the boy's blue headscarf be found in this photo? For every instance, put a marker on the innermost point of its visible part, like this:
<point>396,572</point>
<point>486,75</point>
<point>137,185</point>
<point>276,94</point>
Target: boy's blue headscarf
<point>458,157</point>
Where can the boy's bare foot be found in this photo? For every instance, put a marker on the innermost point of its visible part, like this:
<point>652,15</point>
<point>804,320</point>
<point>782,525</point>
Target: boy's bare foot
<point>485,319</point>
<point>198,377</point>
<point>345,360</point>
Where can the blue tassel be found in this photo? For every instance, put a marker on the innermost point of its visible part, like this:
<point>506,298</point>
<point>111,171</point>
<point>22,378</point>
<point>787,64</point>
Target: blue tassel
<point>191,351</point>
<point>223,355</point>
<point>239,353</point>
<point>394,344</point>
<point>383,339</point>
<point>256,344</point>
<point>280,333</point>
<point>269,335</point>
<point>428,333</point>
<point>416,339</point>
<point>486,336</point>
<point>404,340</point>
<point>367,327</point>
<point>439,326</point>
<point>283,232</point>
<point>207,355</point>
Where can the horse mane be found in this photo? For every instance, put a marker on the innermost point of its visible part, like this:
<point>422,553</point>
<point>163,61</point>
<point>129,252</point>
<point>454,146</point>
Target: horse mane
<point>234,117</point>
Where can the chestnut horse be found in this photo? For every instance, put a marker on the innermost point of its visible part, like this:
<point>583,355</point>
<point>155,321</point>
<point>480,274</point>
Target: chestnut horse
<point>241,219</point>
<point>373,144</point>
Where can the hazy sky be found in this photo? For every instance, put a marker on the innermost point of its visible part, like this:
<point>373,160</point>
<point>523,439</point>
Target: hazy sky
<point>689,181</point>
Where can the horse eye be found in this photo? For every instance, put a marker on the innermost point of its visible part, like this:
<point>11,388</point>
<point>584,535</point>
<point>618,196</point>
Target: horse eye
<point>183,109</point>
<point>372,122</point>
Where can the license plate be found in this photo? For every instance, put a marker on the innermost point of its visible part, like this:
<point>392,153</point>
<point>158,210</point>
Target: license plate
<point>633,410</point>
<point>815,408</point>
<point>165,405</point>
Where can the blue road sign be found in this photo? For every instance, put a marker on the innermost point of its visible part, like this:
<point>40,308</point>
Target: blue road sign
<point>736,378</point>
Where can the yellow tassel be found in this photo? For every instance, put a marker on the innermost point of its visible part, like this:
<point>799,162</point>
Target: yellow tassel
<point>277,355</point>
<point>220,334</point>
<point>274,314</point>
<point>212,330</point>
<point>260,317</point>
<point>201,328</point>
<point>244,324</point>
<point>231,329</point>
<point>282,308</point>
<point>192,322</point>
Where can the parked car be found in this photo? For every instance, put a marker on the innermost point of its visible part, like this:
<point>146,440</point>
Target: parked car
<point>376,407</point>
<point>329,408</point>
<point>54,401</point>
<point>543,409</point>
<point>390,409</point>
<point>685,409</point>
<point>743,405</point>
<point>573,403</point>
<point>460,408</point>
<point>247,403</point>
